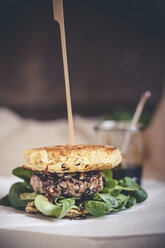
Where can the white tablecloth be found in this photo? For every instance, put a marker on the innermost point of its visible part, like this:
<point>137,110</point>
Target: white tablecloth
<point>18,134</point>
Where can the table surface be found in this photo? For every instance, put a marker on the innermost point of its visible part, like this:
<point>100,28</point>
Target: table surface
<point>19,239</point>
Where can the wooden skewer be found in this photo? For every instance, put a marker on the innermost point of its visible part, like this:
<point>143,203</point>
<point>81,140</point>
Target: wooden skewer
<point>59,17</point>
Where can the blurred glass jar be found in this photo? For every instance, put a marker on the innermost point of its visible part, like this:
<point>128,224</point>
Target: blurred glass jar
<point>115,133</point>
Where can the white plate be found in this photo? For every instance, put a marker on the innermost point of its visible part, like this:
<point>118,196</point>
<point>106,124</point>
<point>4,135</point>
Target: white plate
<point>142,219</point>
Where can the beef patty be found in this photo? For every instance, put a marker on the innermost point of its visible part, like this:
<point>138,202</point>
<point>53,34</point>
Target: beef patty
<point>67,184</point>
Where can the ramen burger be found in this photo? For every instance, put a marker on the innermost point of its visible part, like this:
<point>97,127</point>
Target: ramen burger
<point>70,171</point>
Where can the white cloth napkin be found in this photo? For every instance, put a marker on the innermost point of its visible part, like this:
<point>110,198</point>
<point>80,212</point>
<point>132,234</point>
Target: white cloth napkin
<point>18,134</point>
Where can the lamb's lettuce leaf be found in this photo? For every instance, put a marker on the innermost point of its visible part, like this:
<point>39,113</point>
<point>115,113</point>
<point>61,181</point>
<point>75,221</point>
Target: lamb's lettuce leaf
<point>107,198</point>
<point>28,196</point>
<point>111,184</point>
<point>14,194</point>
<point>140,195</point>
<point>23,173</point>
<point>122,199</point>
<point>98,208</point>
<point>59,208</point>
<point>4,201</point>
<point>131,202</point>
<point>67,205</point>
<point>127,184</point>
<point>108,175</point>
<point>46,207</point>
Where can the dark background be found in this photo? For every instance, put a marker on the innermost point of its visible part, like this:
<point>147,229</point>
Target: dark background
<point>115,52</point>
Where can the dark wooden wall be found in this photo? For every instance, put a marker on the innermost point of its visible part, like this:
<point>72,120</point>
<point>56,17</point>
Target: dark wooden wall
<point>116,50</point>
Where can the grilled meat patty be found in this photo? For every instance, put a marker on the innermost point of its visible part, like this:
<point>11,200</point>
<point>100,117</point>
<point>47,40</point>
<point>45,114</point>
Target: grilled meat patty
<point>68,184</point>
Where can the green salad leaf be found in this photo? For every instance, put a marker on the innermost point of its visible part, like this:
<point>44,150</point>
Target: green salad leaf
<point>129,188</point>
<point>5,201</point>
<point>97,208</point>
<point>115,192</point>
<point>67,205</point>
<point>122,199</point>
<point>58,208</point>
<point>127,182</point>
<point>108,175</point>
<point>140,195</point>
<point>58,199</point>
<point>107,198</point>
<point>106,191</point>
<point>111,184</point>
<point>46,207</point>
<point>14,194</point>
<point>28,196</point>
<point>131,202</point>
<point>23,173</point>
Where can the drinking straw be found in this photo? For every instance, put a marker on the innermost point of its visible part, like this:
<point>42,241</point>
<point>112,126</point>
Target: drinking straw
<point>135,120</point>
